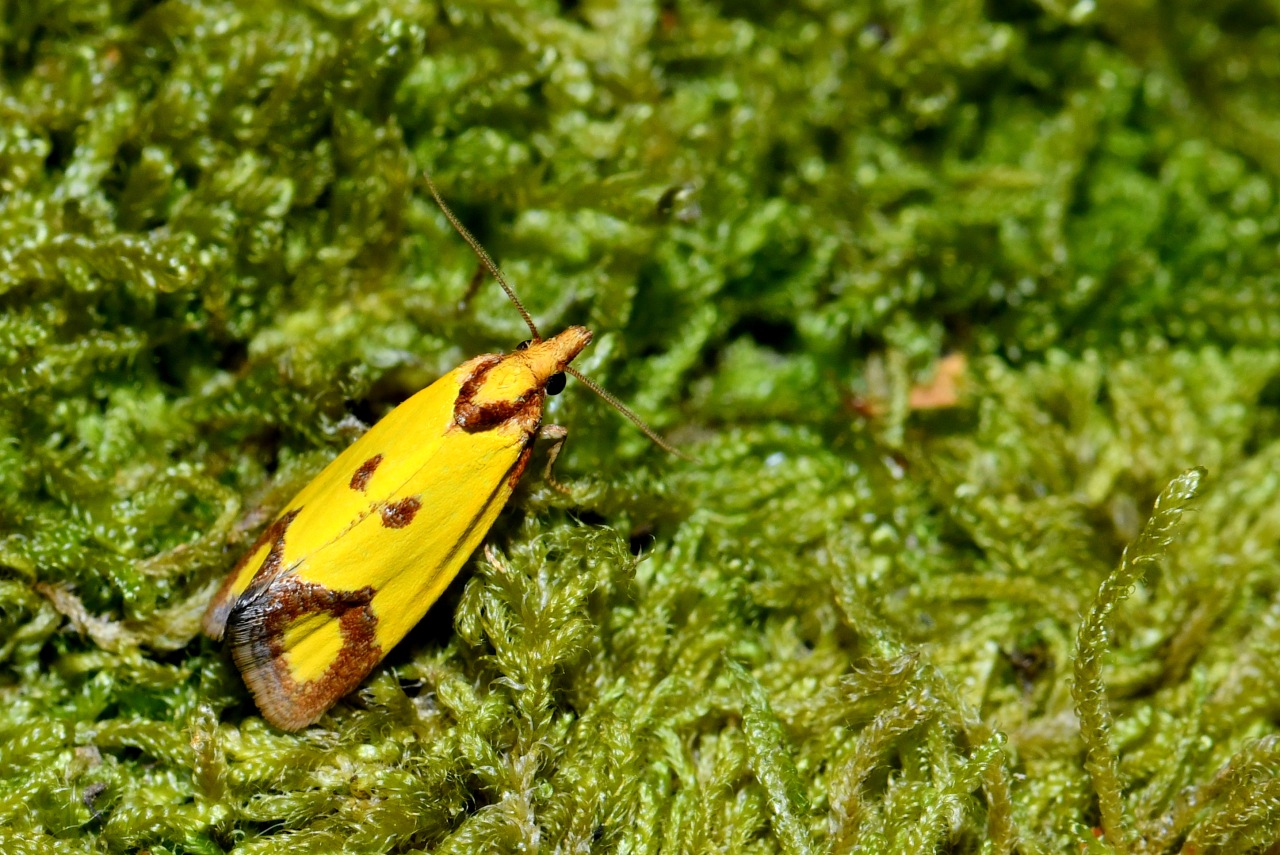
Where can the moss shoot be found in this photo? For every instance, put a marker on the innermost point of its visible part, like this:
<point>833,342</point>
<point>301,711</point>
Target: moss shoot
<point>1034,609</point>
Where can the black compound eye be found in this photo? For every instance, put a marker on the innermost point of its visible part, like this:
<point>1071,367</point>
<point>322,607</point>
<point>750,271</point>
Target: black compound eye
<point>555,383</point>
<point>524,345</point>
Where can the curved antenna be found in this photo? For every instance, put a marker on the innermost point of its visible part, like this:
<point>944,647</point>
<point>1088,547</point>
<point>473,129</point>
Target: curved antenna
<point>626,411</point>
<point>483,256</point>
<point>528,319</point>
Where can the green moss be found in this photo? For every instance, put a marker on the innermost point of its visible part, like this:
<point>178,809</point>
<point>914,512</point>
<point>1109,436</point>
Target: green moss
<point>850,626</point>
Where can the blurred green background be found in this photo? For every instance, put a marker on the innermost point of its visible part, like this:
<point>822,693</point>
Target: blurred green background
<point>944,297</point>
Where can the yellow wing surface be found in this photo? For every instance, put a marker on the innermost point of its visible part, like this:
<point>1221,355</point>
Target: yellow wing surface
<point>360,554</point>
<point>406,439</point>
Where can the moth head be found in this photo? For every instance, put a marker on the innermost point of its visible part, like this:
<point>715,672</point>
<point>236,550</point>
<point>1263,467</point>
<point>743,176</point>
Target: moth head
<point>548,358</point>
<point>516,384</point>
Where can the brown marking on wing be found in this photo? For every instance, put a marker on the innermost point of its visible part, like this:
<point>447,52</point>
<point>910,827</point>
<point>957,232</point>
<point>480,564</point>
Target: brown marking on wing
<point>215,616</point>
<point>256,631</point>
<point>400,514</point>
<point>518,469</point>
<point>477,418</point>
<point>360,478</point>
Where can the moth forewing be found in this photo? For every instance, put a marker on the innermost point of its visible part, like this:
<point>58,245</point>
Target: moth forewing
<point>361,553</point>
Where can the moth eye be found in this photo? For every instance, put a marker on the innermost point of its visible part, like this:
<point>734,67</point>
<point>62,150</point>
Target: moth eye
<point>555,383</point>
<point>524,345</point>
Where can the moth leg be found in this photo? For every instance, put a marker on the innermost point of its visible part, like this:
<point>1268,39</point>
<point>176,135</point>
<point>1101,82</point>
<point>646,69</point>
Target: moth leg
<point>557,434</point>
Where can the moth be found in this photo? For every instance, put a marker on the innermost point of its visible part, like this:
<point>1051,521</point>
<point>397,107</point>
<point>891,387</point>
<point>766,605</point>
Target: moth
<point>357,557</point>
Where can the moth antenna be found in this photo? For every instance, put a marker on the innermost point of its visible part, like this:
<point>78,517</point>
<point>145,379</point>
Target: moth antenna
<point>483,256</point>
<point>626,411</point>
<point>533,328</point>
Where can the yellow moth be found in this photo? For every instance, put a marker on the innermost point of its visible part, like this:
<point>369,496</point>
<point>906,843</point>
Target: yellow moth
<point>359,555</point>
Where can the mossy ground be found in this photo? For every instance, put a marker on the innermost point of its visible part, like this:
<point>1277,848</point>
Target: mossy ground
<point>853,625</point>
